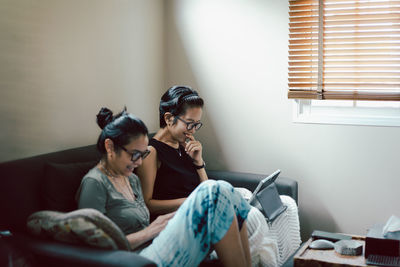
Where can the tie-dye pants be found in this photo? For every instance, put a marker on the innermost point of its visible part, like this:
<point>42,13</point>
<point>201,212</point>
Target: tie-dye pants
<point>201,221</point>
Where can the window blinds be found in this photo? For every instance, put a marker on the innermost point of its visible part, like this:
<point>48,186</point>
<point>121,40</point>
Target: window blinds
<point>344,50</point>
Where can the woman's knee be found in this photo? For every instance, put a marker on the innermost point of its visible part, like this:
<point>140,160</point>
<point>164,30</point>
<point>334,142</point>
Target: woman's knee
<point>224,193</point>
<point>214,186</point>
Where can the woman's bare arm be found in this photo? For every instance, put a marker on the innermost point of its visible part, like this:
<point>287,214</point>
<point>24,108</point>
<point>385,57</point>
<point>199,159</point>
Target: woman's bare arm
<point>203,175</point>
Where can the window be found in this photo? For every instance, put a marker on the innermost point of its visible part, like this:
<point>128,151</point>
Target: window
<point>346,50</point>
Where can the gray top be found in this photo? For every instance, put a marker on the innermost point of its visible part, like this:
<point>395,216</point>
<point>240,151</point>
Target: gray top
<point>96,191</point>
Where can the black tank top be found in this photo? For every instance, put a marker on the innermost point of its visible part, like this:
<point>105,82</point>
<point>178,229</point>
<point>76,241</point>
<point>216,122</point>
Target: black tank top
<point>177,177</point>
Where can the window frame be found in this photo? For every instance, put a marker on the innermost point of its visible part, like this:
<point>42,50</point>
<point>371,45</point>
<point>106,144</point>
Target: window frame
<point>305,112</point>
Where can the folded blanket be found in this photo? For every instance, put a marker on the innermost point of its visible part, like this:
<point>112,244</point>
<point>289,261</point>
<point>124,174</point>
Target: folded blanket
<point>272,244</point>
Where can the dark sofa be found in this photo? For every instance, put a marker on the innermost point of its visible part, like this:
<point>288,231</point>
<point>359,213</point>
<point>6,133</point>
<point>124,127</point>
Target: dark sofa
<point>45,182</point>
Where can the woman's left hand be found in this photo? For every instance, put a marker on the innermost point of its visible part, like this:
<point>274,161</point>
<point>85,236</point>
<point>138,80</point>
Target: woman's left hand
<point>194,149</point>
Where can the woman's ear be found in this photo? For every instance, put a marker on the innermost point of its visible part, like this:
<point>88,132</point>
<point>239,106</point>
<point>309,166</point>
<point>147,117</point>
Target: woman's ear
<point>168,117</point>
<point>109,145</point>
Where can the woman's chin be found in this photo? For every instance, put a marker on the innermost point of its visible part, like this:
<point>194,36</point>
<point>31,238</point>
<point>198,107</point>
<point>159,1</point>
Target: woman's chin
<point>129,171</point>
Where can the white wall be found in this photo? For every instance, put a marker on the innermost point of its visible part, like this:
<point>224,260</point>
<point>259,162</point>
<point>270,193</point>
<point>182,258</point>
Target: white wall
<point>235,52</point>
<point>60,61</point>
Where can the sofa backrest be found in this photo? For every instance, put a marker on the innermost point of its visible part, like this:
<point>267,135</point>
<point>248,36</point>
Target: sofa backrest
<point>21,191</point>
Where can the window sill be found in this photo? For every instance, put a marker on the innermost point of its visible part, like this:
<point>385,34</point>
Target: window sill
<point>303,112</point>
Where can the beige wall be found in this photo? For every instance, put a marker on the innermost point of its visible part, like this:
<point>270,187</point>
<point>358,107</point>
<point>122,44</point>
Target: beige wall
<point>61,60</point>
<point>235,53</point>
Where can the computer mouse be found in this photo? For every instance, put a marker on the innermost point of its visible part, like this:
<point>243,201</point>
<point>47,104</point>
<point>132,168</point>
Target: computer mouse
<point>322,244</point>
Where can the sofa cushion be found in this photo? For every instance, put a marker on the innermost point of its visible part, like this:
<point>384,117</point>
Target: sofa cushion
<point>61,181</point>
<point>83,226</point>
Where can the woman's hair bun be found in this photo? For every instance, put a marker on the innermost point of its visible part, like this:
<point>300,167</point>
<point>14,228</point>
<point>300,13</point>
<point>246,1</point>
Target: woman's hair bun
<point>104,117</point>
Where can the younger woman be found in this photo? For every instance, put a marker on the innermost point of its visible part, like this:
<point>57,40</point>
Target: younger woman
<point>175,167</point>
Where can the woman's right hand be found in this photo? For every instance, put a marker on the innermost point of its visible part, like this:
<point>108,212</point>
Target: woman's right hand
<point>159,223</point>
<point>194,149</point>
<point>150,232</point>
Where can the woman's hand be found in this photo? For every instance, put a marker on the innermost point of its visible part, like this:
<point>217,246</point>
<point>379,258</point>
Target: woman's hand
<point>150,232</point>
<point>194,149</point>
<point>159,224</point>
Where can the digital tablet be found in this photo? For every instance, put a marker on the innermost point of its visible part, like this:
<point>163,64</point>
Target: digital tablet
<point>264,182</point>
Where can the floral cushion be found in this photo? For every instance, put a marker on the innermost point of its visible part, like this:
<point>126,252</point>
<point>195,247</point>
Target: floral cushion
<point>83,226</point>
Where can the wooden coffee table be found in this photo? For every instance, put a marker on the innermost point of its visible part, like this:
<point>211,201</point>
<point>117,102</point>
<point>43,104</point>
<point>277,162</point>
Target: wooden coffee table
<point>306,257</point>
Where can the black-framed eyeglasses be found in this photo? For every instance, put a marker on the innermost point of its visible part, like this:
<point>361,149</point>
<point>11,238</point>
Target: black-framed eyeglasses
<point>190,125</point>
<point>136,154</point>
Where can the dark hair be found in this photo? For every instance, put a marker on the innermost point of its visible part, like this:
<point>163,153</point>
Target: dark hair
<point>121,128</point>
<point>177,100</point>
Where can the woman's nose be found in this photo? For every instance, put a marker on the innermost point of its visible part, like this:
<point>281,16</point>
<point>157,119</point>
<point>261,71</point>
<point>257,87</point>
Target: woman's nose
<point>139,161</point>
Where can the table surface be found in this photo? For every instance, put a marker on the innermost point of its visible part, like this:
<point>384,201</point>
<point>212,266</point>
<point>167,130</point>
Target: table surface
<point>312,257</point>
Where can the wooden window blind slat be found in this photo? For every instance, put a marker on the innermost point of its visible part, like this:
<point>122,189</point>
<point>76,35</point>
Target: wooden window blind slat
<point>303,7</point>
<point>300,47</point>
<point>370,4</point>
<point>301,63</point>
<point>303,41</point>
<point>304,29</point>
<point>357,28</point>
<point>302,2</point>
<point>344,49</point>
<point>306,69</point>
<point>353,74</point>
<point>358,34</point>
<point>383,80</point>
<point>372,16</point>
<point>303,19</point>
<point>357,10</point>
<point>356,39</point>
<point>345,23</point>
<point>353,57</point>
<point>353,95</point>
<point>303,24</point>
<point>364,51</point>
<point>304,52</point>
<point>346,35</point>
<point>363,63</point>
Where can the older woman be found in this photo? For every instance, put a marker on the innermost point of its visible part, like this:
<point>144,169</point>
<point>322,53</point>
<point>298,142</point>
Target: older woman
<point>214,214</point>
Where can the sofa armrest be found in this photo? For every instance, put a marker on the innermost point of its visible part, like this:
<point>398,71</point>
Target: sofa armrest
<point>286,186</point>
<point>53,253</point>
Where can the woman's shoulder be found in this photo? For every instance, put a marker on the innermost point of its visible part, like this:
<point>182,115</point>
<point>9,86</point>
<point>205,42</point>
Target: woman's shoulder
<point>91,184</point>
<point>153,147</point>
<point>95,174</point>
<point>155,143</point>
<point>160,147</point>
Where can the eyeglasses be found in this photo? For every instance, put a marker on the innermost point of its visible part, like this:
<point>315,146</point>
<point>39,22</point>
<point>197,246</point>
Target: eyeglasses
<point>191,125</point>
<point>136,154</point>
